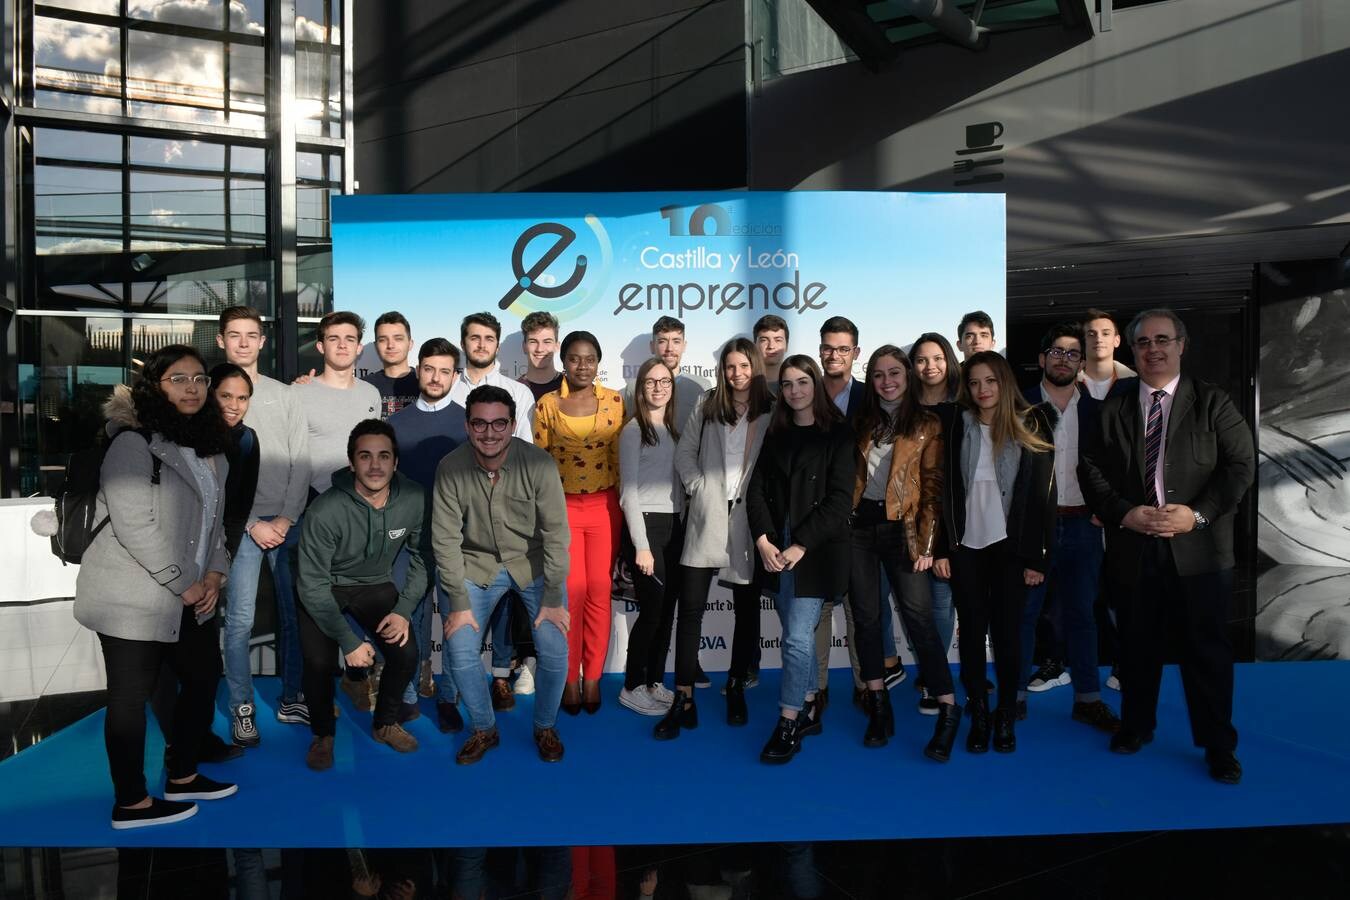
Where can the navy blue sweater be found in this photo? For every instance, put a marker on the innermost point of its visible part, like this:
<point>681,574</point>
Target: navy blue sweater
<point>424,438</point>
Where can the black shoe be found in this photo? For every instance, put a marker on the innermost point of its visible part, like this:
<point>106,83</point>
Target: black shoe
<point>159,812</point>
<point>216,750</point>
<point>737,714</point>
<point>894,675</point>
<point>1005,739</point>
<point>448,719</point>
<point>408,712</point>
<point>1098,715</point>
<point>1129,742</point>
<point>682,714</point>
<point>1223,766</point>
<point>880,718</point>
<point>944,733</point>
<point>199,788</point>
<point>928,704</point>
<point>784,743</point>
<point>701,680</point>
<point>977,740</point>
<point>808,720</point>
<point>1021,710</point>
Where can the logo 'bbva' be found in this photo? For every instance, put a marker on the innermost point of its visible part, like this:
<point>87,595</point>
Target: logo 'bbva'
<point>574,294</point>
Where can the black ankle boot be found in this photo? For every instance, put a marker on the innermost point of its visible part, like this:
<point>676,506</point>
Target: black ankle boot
<point>808,720</point>
<point>977,741</point>
<point>736,711</point>
<point>682,714</point>
<point>1005,741</point>
<point>784,743</point>
<point>880,718</point>
<point>944,734</point>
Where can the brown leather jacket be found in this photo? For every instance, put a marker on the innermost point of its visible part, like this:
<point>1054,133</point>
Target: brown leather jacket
<point>914,491</point>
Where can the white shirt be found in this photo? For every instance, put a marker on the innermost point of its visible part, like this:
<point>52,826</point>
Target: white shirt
<point>985,524</point>
<point>1066,452</point>
<point>733,460</point>
<point>459,393</point>
<point>440,404</point>
<point>1145,404</point>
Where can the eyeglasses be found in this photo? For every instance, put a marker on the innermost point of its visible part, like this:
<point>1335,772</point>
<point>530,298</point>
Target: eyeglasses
<point>480,426</point>
<point>1162,342</point>
<point>657,382</point>
<point>180,380</point>
<point>1072,356</point>
<point>827,350</point>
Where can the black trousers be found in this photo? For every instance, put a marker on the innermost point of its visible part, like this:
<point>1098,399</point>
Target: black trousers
<point>657,596</point>
<point>133,668</point>
<point>1186,616</point>
<point>368,604</point>
<point>883,543</point>
<point>989,592</point>
<point>694,587</point>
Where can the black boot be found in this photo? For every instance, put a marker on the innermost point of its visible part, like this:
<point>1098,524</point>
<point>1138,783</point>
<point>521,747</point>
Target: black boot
<point>682,714</point>
<point>1005,741</point>
<point>808,720</point>
<point>736,711</point>
<point>944,734</point>
<point>880,718</point>
<point>977,741</point>
<point>784,743</point>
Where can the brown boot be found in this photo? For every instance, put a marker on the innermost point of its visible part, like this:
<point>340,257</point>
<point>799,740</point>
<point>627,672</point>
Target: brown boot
<point>320,754</point>
<point>549,744</point>
<point>479,742</point>
<point>503,698</point>
<point>394,736</point>
<point>358,692</point>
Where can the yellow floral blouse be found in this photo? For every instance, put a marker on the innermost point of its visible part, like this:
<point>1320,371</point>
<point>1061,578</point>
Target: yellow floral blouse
<point>587,452</point>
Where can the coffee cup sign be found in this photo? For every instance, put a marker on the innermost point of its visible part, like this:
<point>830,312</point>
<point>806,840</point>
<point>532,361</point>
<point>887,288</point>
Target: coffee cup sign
<point>983,134</point>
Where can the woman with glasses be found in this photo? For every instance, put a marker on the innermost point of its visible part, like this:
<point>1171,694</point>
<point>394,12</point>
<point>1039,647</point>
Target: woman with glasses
<point>998,510</point>
<point>149,581</point>
<point>798,506</point>
<point>652,500</point>
<point>715,459</point>
<point>579,425</point>
<point>896,503</point>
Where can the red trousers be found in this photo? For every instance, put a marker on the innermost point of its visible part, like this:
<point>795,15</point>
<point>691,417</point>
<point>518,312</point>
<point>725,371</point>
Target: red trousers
<point>593,873</point>
<point>594,522</point>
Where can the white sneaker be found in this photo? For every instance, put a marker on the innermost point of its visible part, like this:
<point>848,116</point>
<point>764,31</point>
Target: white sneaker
<point>641,702</point>
<point>1113,682</point>
<point>662,694</point>
<point>525,679</point>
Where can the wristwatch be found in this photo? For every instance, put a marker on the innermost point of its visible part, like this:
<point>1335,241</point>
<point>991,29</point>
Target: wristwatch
<point>1200,521</point>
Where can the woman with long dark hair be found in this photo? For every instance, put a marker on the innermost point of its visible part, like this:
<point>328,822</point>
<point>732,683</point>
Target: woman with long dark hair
<point>579,425</point>
<point>897,500</point>
<point>715,459</point>
<point>149,581</point>
<point>231,392</point>
<point>798,507</point>
<point>999,514</point>
<point>652,500</point>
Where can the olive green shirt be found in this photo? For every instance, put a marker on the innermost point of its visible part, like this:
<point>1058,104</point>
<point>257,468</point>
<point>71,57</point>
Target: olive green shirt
<point>516,522</point>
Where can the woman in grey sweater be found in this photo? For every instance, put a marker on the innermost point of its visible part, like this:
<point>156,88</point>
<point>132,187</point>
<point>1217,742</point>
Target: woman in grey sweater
<point>149,582</point>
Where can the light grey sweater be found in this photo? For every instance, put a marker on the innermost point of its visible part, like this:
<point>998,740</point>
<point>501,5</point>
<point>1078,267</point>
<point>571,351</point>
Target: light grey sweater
<point>648,481</point>
<point>332,413</point>
<point>283,451</point>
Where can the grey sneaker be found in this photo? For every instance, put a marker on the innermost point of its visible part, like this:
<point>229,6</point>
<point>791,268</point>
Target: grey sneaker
<point>640,701</point>
<point>296,712</point>
<point>244,727</point>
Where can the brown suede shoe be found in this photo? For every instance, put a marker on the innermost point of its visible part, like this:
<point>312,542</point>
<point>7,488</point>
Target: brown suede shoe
<point>394,736</point>
<point>549,744</point>
<point>503,698</point>
<point>320,754</point>
<point>479,742</point>
<point>358,692</point>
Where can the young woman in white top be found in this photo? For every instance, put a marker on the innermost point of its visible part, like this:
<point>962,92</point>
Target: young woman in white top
<point>715,459</point>
<point>652,500</point>
<point>999,518</point>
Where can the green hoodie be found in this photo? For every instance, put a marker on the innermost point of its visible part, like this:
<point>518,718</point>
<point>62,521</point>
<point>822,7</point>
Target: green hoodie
<point>344,540</point>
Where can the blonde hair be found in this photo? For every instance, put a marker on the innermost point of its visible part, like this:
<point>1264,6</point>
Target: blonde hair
<point>1011,421</point>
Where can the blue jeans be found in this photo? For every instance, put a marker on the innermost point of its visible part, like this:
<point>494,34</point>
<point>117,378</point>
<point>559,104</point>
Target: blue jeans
<point>466,661</point>
<point>502,648</point>
<point>420,626</point>
<point>241,602</point>
<point>944,612</point>
<point>250,871</point>
<point>1075,565</point>
<point>799,616</point>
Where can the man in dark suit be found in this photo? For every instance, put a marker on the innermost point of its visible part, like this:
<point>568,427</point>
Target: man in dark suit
<point>838,352</point>
<point>1174,460</point>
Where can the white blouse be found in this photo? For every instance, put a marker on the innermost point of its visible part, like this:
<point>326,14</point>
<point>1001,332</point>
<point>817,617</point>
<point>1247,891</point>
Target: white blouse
<point>985,523</point>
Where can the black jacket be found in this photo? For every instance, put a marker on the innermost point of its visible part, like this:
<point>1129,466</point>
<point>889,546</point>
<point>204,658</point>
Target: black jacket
<point>240,484</point>
<point>1209,462</point>
<point>804,479</point>
<point>1031,516</point>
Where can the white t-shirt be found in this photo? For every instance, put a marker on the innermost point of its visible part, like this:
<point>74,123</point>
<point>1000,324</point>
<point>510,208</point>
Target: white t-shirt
<point>733,462</point>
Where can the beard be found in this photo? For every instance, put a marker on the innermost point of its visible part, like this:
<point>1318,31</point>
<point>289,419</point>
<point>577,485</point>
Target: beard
<point>1061,380</point>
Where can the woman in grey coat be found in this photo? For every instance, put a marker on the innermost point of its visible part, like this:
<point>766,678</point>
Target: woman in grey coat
<point>149,581</point>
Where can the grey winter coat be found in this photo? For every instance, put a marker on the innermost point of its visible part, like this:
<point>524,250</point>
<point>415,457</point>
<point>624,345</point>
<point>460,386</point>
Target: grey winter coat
<point>715,538</point>
<point>133,573</point>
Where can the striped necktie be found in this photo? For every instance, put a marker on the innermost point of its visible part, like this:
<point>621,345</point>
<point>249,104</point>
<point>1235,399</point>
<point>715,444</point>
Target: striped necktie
<point>1153,435</point>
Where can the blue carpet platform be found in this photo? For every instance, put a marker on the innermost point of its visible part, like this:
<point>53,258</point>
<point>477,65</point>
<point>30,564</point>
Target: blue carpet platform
<point>619,786</point>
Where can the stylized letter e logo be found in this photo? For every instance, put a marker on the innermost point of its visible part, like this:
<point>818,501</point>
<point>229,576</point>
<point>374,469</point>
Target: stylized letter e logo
<point>529,281</point>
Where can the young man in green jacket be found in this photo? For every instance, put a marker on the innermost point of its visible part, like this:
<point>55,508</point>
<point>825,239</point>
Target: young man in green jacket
<point>352,534</point>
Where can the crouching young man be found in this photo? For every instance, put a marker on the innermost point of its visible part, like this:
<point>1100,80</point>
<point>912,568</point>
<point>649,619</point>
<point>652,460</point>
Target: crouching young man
<point>352,534</point>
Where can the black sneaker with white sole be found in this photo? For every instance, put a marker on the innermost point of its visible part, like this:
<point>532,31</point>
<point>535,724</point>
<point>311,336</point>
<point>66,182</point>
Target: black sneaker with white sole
<point>159,812</point>
<point>199,788</point>
<point>244,726</point>
<point>701,679</point>
<point>1051,675</point>
<point>895,675</point>
<point>928,704</point>
<point>293,712</point>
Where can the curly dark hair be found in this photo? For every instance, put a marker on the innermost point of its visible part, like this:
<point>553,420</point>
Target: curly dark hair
<point>205,432</point>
